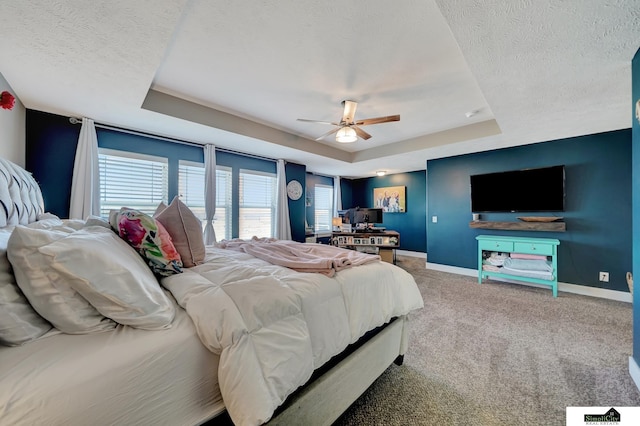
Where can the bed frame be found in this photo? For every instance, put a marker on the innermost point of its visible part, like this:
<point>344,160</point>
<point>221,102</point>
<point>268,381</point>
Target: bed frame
<point>342,380</point>
<point>329,394</point>
<point>332,390</point>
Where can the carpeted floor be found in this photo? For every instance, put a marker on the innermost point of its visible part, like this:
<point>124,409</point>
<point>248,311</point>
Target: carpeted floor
<point>501,354</point>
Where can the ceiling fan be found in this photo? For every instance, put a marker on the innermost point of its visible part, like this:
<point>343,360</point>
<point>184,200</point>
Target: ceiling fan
<point>348,130</point>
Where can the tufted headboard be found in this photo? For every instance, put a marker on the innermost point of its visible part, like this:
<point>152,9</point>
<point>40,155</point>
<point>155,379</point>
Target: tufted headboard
<point>20,197</point>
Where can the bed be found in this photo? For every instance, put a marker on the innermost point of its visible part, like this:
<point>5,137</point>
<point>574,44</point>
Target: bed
<point>233,333</point>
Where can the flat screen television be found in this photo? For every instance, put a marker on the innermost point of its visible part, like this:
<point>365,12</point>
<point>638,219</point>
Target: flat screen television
<point>528,190</point>
<point>366,215</point>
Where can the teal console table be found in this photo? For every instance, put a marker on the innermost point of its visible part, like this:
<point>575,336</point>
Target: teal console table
<point>541,246</point>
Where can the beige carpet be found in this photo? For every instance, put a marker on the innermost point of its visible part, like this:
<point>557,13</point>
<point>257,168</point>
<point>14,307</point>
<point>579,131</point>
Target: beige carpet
<point>501,354</point>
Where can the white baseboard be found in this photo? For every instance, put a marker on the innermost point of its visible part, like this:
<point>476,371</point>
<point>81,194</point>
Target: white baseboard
<point>411,253</point>
<point>453,269</point>
<point>620,296</point>
<point>603,293</point>
<point>634,371</point>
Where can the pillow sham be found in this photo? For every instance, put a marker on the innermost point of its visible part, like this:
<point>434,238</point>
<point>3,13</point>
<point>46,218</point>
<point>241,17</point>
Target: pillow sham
<point>121,288</point>
<point>47,291</point>
<point>149,238</point>
<point>97,221</point>
<point>186,231</point>
<point>159,209</point>
<point>19,323</point>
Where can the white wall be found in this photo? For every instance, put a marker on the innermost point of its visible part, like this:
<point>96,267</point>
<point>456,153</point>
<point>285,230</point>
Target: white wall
<point>12,129</point>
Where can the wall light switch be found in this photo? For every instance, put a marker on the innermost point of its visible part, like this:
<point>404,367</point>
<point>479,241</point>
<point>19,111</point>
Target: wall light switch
<point>434,219</point>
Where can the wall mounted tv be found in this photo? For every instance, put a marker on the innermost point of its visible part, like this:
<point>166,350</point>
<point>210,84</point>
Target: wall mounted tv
<point>528,190</point>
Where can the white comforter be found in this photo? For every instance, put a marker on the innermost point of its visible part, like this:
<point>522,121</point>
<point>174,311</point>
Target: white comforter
<point>273,326</point>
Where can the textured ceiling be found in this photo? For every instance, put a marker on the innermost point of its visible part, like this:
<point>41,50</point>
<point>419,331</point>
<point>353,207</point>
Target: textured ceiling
<point>239,74</point>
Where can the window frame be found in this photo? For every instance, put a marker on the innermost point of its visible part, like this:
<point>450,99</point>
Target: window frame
<point>200,211</point>
<point>241,206</point>
<point>328,229</point>
<point>148,207</point>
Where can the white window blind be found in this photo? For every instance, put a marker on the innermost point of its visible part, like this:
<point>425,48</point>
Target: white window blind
<point>257,196</point>
<point>191,190</point>
<point>323,211</point>
<point>131,180</point>
<point>223,218</point>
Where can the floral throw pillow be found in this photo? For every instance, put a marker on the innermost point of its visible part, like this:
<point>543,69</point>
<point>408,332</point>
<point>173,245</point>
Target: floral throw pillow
<point>150,239</point>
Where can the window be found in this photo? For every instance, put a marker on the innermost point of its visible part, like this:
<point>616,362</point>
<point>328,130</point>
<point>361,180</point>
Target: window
<point>191,191</point>
<point>257,196</point>
<point>133,180</point>
<point>323,212</point>
<point>223,218</point>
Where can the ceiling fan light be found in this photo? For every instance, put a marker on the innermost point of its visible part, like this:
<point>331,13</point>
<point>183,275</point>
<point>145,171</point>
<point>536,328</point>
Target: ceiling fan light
<point>346,135</point>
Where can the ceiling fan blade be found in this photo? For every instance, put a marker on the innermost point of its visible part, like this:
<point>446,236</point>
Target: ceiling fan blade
<point>361,133</point>
<point>317,121</point>
<point>328,133</point>
<point>377,120</point>
<point>349,111</point>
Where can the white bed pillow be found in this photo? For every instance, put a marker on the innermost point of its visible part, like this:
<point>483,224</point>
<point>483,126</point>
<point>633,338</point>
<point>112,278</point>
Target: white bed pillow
<point>97,221</point>
<point>19,323</point>
<point>111,275</point>
<point>47,291</point>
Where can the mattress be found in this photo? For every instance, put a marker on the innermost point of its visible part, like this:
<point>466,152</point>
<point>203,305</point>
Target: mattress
<point>139,377</point>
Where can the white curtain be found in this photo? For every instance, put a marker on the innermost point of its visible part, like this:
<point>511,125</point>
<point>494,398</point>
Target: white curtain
<point>209,193</point>
<point>283,225</point>
<point>85,184</point>
<point>337,196</point>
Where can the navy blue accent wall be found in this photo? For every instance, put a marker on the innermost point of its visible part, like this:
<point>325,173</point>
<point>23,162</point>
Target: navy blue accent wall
<point>297,207</point>
<point>50,152</point>
<point>635,90</point>
<point>597,205</point>
<point>412,224</point>
<point>346,192</point>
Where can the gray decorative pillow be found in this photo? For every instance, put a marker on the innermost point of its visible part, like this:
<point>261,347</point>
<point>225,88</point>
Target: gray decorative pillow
<point>19,323</point>
<point>185,230</point>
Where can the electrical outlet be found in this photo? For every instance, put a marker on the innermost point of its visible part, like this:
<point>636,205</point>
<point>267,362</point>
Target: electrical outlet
<point>434,219</point>
<point>604,277</point>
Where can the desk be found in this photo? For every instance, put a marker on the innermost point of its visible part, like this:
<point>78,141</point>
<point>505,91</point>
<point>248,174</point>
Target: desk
<point>382,243</point>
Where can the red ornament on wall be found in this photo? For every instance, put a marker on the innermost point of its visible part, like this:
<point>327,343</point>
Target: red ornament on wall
<point>7,100</point>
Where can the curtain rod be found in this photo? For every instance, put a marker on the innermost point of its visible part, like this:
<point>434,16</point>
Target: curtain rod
<point>76,120</point>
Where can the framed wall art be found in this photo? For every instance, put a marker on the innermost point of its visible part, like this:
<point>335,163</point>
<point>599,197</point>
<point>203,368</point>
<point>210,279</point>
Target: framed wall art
<point>392,199</point>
